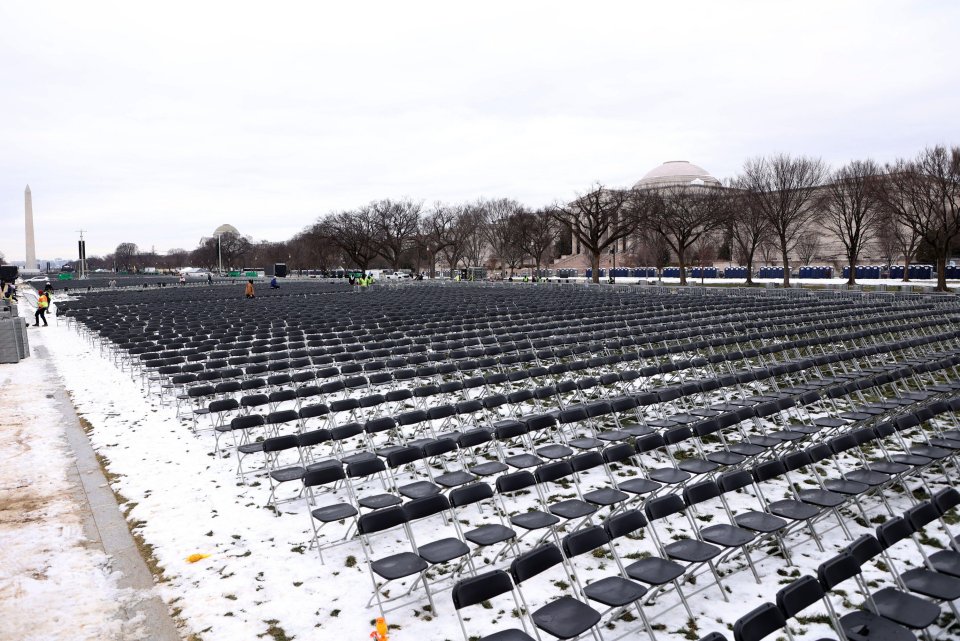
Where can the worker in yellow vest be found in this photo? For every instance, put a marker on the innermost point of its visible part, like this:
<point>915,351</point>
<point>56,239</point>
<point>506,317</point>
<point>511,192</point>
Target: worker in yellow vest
<point>43,302</point>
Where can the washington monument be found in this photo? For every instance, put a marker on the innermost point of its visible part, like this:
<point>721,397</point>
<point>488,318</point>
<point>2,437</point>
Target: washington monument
<point>31,262</point>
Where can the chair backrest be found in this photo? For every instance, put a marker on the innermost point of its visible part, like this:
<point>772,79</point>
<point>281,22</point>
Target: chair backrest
<point>700,492</point>
<point>324,475</point>
<point>425,506</point>
<point>480,588</point>
<point>247,421</point>
<point>624,523</point>
<point>365,467</point>
<point>515,481</point>
<point>530,564</point>
<point>404,455</point>
<point>922,514</point>
<point>382,424</point>
<point>469,494</point>
<point>799,595</point>
<point>585,540</point>
<point>732,481</point>
<point>313,437</point>
<point>836,570</point>
<point>586,461</point>
<point>380,520</point>
<point>280,443</point>
<point>758,623</point>
<point>663,506</point>
<point>549,472</point>
<point>891,531</point>
<point>618,452</point>
<point>946,499</point>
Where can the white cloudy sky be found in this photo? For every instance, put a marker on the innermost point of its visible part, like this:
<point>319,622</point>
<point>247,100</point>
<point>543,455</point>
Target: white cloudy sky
<point>154,124</point>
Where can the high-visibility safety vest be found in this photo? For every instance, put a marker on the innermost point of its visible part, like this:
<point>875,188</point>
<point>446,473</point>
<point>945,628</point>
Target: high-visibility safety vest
<point>43,302</point>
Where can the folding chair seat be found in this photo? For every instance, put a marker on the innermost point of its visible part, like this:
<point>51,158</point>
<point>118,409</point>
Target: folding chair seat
<point>901,608</point>
<point>279,380</point>
<point>193,397</point>
<point>665,475</point>
<point>363,470</point>
<point>487,534</point>
<point>348,406</point>
<point>565,617</point>
<point>624,452</point>
<point>277,471</point>
<point>654,570</point>
<point>792,509</point>
<point>441,550</point>
<point>308,441</point>
<point>615,592</point>
<point>567,509</point>
<point>691,551</point>
<point>276,399</point>
<point>922,580</point>
<point>395,566</point>
<point>218,410</point>
<point>481,589</point>
<point>522,482</point>
<point>603,496</point>
<point>412,456</point>
<point>726,535</point>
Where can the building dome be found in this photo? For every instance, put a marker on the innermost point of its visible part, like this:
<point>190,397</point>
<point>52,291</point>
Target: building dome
<point>676,173</point>
<point>226,229</point>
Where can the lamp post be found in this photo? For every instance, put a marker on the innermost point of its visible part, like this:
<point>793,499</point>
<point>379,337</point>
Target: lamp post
<point>613,252</point>
<point>219,254</point>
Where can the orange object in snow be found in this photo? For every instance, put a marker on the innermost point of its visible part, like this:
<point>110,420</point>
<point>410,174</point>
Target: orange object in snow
<point>193,558</point>
<point>380,634</point>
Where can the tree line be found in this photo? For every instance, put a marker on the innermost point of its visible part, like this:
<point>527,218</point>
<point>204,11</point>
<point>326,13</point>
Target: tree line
<point>777,208</point>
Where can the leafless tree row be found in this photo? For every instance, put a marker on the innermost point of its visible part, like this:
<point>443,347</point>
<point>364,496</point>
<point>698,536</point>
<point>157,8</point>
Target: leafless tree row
<point>779,208</point>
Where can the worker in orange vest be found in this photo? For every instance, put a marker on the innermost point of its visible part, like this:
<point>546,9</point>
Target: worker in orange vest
<point>43,302</point>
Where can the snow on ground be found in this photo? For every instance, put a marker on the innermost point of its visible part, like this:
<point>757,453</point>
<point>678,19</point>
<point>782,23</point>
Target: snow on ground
<point>260,580</point>
<point>53,584</point>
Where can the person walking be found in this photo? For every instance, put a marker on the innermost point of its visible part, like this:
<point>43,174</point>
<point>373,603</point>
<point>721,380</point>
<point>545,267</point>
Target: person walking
<point>43,302</point>
<point>248,291</point>
<point>209,279</point>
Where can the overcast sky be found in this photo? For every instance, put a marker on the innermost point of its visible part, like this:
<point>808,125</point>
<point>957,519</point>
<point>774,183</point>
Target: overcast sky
<point>155,125</point>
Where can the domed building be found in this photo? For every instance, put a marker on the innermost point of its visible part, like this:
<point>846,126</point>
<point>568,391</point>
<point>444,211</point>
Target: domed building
<point>676,173</point>
<point>226,229</point>
<point>671,174</point>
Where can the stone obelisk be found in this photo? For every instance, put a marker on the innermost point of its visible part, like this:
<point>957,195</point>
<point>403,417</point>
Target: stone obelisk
<point>31,262</point>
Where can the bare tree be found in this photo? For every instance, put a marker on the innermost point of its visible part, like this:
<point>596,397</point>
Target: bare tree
<point>894,239</point>
<point>353,232</point>
<point>437,229</point>
<point>704,251</point>
<point>125,255</point>
<point>500,229</point>
<point>749,230</point>
<point>234,248</point>
<point>768,251</point>
<point>684,215</point>
<point>924,195</point>
<point>851,208</point>
<point>808,246</point>
<point>538,234</point>
<point>470,224</point>
<point>783,190</point>
<point>649,249</point>
<point>395,224</point>
<point>602,217</point>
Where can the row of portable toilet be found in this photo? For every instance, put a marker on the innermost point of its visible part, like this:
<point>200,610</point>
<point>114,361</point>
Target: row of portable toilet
<point>770,272</point>
<point>922,272</point>
<point>865,272</point>
<point>810,271</point>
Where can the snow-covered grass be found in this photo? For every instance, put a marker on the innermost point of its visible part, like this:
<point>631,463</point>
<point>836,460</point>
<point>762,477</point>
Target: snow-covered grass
<point>53,584</point>
<point>260,579</point>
